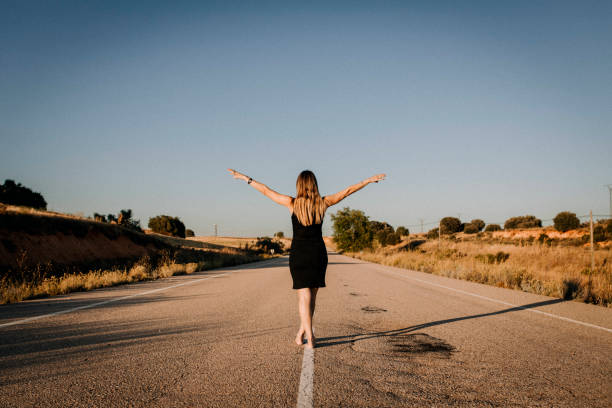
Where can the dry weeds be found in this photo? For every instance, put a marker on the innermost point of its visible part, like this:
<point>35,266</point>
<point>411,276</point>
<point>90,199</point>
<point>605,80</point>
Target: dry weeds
<point>11,292</point>
<point>556,271</point>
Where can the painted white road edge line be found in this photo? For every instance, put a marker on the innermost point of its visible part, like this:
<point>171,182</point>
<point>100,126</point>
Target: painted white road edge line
<point>304,399</point>
<point>594,326</point>
<point>148,292</point>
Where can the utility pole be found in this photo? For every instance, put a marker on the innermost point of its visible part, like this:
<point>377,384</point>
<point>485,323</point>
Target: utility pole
<point>592,247</point>
<point>420,219</point>
<point>610,189</point>
<point>215,225</point>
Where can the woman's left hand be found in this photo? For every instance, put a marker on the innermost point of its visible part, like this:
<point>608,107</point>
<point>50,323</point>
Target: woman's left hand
<point>238,175</point>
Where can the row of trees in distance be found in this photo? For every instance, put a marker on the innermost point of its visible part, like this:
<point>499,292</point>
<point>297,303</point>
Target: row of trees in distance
<point>354,231</point>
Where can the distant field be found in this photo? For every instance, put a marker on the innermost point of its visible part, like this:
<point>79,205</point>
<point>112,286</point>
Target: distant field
<point>240,242</point>
<point>234,242</point>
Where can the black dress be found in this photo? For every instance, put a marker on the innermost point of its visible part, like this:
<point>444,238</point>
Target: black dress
<point>307,256</point>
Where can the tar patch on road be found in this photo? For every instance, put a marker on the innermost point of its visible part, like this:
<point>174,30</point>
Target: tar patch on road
<point>373,309</point>
<point>404,345</point>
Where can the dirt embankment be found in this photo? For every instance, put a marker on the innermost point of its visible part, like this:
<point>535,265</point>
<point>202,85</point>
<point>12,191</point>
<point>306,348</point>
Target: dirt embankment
<point>29,238</point>
<point>536,232</point>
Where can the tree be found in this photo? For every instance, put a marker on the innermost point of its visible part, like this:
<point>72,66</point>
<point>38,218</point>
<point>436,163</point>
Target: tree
<point>280,234</point>
<point>267,245</point>
<point>565,221</point>
<point>351,230</point>
<point>189,233</point>
<point>525,221</point>
<point>402,231</point>
<point>376,226</point>
<point>493,227</point>
<point>478,223</point>
<point>433,233</point>
<point>471,228</point>
<point>450,225</point>
<point>384,233</point>
<point>167,225</point>
<point>99,217</point>
<point>387,237</point>
<point>125,219</point>
<point>17,194</point>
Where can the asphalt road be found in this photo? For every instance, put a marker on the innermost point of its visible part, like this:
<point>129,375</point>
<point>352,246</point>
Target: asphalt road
<point>387,337</point>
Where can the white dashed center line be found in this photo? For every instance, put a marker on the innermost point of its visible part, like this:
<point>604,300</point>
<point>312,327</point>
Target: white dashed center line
<point>304,399</point>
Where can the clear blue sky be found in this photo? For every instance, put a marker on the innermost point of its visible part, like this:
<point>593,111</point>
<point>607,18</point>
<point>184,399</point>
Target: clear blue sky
<point>481,109</point>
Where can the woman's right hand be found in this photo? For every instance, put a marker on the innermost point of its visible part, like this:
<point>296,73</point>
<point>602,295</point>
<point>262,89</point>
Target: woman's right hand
<point>376,178</point>
<point>238,175</point>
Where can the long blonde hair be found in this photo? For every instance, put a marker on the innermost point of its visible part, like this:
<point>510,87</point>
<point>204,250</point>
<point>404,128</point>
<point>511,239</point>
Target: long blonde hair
<point>308,206</point>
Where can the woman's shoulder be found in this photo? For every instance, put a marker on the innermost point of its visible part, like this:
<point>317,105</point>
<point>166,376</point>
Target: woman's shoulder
<point>290,206</point>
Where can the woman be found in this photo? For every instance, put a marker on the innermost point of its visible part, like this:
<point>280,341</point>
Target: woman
<point>308,256</point>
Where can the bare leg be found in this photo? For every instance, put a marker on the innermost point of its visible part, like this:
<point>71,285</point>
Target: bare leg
<point>304,307</point>
<point>313,300</point>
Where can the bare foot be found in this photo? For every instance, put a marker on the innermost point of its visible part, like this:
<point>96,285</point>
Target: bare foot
<point>299,339</point>
<point>311,343</point>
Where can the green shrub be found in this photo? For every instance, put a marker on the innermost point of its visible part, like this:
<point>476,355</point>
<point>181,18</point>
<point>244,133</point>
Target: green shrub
<point>376,226</point>
<point>280,234</point>
<point>189,233</point>
<point>125,219</point>
<point>17,194</point>
<point>383,232</point>
<point>167,225</point>
<point>565,221</point>
<point>402,231</point>
<point>545,240</point>
<point>387,237</point>
<point>267,245</point>
<point>571,289</point>
<point>471,228</point>
<point>99,217</point>
<point>499,257</point>
<point>433,234</point>
<point>599,233</point>
<point>493,227</point>
<point>478,223</point>
<point>525,221</point>
<point>351,230</point>
<point>450,225</point>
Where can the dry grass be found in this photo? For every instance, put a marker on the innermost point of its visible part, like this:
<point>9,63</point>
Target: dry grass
<point>556,271</point>
<point>11,291</point>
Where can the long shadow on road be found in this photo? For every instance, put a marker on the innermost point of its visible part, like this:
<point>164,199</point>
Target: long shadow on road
<point>351,338</point>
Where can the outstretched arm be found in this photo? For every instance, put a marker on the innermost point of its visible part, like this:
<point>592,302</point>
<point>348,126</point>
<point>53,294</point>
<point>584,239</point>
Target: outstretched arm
<point>265,190</point>
<point>341,195</point>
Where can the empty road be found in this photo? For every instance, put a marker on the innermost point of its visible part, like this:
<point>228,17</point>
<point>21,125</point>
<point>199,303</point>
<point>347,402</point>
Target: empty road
<point>387,337</point>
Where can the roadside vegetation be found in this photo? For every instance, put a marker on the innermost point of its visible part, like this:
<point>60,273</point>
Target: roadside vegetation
<point>167,225</point>
<point>44,253</point>
<point>123,218</point>
<point>552,261</point>
<point>28,282</point>
<point>16,194</point>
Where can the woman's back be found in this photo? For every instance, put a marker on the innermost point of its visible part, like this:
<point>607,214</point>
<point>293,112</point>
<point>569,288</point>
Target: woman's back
<point>312,232</point>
